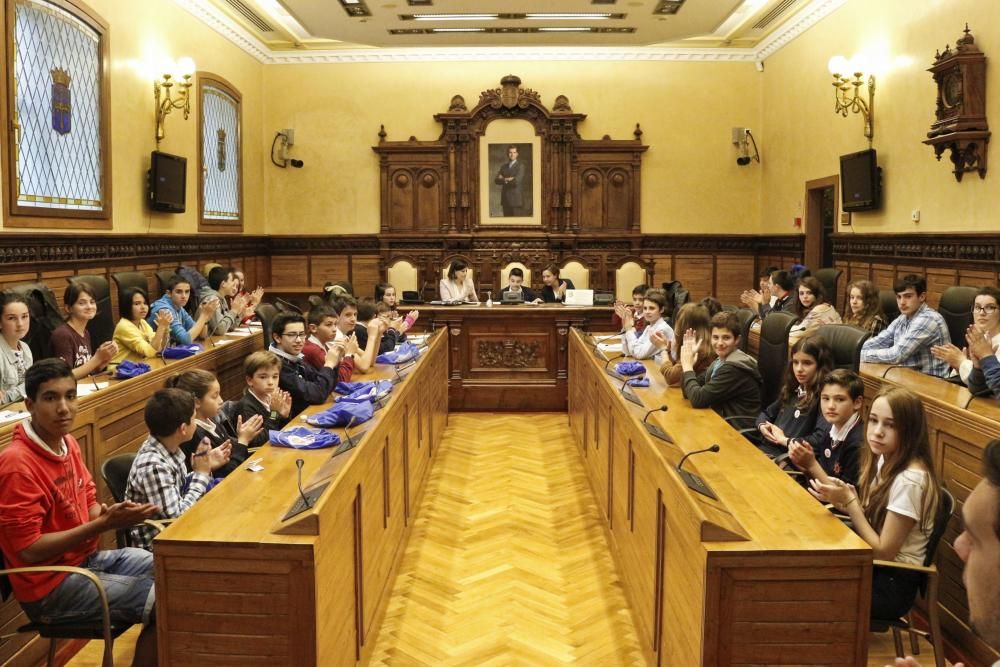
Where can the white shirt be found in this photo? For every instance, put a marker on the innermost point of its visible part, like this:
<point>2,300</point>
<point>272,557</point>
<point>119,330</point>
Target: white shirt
<point>641,346</point>
<point>906,499</point>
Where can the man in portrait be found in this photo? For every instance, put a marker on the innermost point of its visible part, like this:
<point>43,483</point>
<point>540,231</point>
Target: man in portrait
<point>509,179</point>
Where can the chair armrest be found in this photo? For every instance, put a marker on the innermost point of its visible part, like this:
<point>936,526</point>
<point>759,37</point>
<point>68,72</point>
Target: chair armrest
<point>159,524</point>
<point>905,566</point>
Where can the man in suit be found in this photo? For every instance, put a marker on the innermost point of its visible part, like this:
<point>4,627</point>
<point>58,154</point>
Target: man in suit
<point>509,178</point>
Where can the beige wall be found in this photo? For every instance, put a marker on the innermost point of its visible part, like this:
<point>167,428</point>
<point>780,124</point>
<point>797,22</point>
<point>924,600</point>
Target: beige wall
<point>142,32</point>
<point>805,138</point>
<point>690,181</point>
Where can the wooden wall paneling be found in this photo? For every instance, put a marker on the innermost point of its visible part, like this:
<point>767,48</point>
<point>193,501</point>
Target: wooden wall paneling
<point>12,279</point>
<point>619,213</point>
<point>938,280</point>
<point>56,281</point>
<point>366,272</point>
<point>402,210</point>
<point>429,198</point>
<point>290,271</point>
<point>732,276</point>
<point>590,204</point>
<point>883,275</point>
<point>663,269</point>
<point>973,278</point>
<point>695,273</point>
<point>328,268</point>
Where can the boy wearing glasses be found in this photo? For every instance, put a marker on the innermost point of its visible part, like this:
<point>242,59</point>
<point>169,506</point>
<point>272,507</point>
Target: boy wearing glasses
<point>307,385</point>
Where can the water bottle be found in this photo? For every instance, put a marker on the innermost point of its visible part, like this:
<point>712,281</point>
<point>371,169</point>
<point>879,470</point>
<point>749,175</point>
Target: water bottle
<point>489,299</point>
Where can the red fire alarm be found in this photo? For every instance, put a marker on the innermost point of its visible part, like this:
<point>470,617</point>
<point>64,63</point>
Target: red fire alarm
<point>798,222</point>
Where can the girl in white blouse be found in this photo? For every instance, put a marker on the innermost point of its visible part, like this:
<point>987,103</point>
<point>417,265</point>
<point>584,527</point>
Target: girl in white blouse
<point>642,345</point>
<point>458,285</point>
<point>896,502</point>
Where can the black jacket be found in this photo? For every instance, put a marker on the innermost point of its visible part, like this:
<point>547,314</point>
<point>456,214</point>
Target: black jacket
<point>732,391</point>
<point>223,431</point>
<point>247,407</point>
<point>549,294</point>
<point>307,385</point>
<point>796,423</point>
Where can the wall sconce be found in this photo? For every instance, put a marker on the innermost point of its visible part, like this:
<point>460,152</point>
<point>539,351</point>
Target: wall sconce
<point>845,102</point>
<point>743,138</point>
<point>162,93</point>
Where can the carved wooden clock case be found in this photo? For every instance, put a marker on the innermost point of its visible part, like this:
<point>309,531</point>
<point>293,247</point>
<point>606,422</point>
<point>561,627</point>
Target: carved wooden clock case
<point>960,125</point>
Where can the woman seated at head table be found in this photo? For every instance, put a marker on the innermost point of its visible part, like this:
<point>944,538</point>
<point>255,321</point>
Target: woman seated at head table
<point>458,285</point>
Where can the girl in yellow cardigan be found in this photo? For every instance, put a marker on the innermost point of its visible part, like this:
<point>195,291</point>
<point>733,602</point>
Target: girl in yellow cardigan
<point>135,338</point>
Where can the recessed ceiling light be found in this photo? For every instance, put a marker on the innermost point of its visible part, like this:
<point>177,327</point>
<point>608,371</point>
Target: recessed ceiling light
<point>564,29</point>
<point>568,16</point>
<point>451,17</point>
<point>458,30</point>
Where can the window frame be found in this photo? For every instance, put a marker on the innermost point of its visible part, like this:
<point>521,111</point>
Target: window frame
<point>18,216</point>
<point>214,224</point>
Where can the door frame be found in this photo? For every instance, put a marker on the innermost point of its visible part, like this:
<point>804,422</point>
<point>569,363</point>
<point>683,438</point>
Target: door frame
<point>814,221</point>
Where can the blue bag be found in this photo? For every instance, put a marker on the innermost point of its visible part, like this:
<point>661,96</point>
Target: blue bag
<point>301,437</point>
<point>402,354</point>
<point>342,413</point>
<point>369,392</point>
<point>182,351</point>
<point>130,369</point>
<point>638,382</point>
<point>630,368</point>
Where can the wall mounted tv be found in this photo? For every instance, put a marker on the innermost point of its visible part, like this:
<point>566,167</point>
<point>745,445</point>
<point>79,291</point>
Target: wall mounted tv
<point>167,182</point>
<point>860,181</point>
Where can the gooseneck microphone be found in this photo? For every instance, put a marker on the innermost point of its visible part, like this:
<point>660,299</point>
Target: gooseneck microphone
<point>305,499</point>
<point>629,395</point>
<point>693,481</point>
<point>655,430</point>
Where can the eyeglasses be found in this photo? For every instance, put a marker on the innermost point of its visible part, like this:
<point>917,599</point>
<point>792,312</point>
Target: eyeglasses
<point>301,335</point>
<point>988,309</point>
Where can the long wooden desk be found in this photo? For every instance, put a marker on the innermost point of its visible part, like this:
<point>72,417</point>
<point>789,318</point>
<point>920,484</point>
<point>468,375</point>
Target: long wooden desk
<point>959,427</point>
<point>238,585</point>
<point>763,575</point>
<point>510,357</point>
<point>110,422</point>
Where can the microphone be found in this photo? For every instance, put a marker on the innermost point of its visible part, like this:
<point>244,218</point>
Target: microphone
<point>598,341</point>
<point>208,337</point>
<point>94,381</point>
<point>347,433</point>
<point>305,499</point>
<point>655,430</point>
<point>630,395</point>
<point>693,481</point>
<point>610,371</point>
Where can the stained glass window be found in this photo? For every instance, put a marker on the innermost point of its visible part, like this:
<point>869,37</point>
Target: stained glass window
<point>58,158</point>
<point>220,154</point>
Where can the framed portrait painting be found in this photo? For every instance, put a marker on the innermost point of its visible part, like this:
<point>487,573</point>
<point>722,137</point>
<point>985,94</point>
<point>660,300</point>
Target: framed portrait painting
<point>510,174</point>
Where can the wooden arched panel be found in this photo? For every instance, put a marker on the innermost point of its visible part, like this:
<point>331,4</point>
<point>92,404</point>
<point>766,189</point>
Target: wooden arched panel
<point>401,200</point>
<point>592,199</point>
<point>618,200</point>
<point>427,195</point>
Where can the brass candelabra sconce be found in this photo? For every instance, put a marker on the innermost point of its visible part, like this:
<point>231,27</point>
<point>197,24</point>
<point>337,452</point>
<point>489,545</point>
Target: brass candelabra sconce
<point>847,93</point>
<point>166,101</point>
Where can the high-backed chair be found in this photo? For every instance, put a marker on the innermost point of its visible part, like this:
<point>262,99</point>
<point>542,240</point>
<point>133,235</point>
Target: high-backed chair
<point>888,300</point>
<point>772,355</point>
<point>114,472</point>
<point>102,327</point>
<point>205,270</point>
<point>928,588</point>
<point>45,314</point>
<point>830,279</point>
<point>505,274</point>
<point>845,342</point>
<point>265,313</point>
<point>956,309</point>
<point>404,276</point>
<point>746,317</point>
<point>163,277</point>
<point>578,273</point>
<point>314,301</point>
<point>130,279</point>
<point>471,275</point>
<point>627,276</point>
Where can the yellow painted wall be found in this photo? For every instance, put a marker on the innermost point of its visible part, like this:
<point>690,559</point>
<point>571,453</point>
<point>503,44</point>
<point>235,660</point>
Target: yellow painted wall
<point>690,181</point>
<point>805,138</point>
<point>141,32</point>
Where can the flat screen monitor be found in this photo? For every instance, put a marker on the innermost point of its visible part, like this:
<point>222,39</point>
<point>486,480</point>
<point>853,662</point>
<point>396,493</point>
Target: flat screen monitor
<point>167,182</point>
<point>860,181</point>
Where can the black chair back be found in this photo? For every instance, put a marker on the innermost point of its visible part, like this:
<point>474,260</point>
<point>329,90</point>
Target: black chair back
<point>114,472</point>
<point>163,277</point>
<point>830,279</point>
<point>845,342</point>
<point>283,306</point>
<point>314,301</point>
<point>888,300</point>
<point>772,355</point>
<point>746,317</point>
<point>130,279</point>
<point>946,506</point>
<point>265,313</point>
<point>46,317</point>
<point>102,327</point>
<point>956,309</point>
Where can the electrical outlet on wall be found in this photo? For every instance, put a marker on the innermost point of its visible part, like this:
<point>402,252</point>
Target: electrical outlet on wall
<point>915,215</point>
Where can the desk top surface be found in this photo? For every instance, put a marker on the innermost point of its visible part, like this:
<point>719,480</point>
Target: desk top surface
<point>754,492</point>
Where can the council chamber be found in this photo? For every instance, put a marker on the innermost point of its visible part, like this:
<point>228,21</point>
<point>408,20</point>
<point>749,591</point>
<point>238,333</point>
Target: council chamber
<point>597,333</point>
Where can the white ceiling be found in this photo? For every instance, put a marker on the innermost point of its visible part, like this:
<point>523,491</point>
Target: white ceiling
<point>311,25</point>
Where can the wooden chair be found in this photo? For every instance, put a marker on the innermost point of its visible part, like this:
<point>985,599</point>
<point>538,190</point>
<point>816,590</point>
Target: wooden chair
<point>403,275</point>
<point>747,317</point>
<point>103,629</point>
<point>578,273</point>
<point>928,590</point>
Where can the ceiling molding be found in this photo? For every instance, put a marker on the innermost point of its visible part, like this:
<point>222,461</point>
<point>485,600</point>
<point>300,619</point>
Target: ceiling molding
<point>810,15</point>
<point>228,28</point>
<point>494,54</point>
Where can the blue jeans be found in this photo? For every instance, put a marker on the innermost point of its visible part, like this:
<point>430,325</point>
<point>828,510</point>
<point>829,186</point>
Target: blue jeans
<point>127,577</point>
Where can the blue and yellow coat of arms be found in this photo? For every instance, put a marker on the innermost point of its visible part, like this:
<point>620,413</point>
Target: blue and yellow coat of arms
<point>61,101</point>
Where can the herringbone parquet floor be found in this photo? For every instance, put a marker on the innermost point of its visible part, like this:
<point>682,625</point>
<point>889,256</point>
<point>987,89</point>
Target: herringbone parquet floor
<point>507,563</point>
